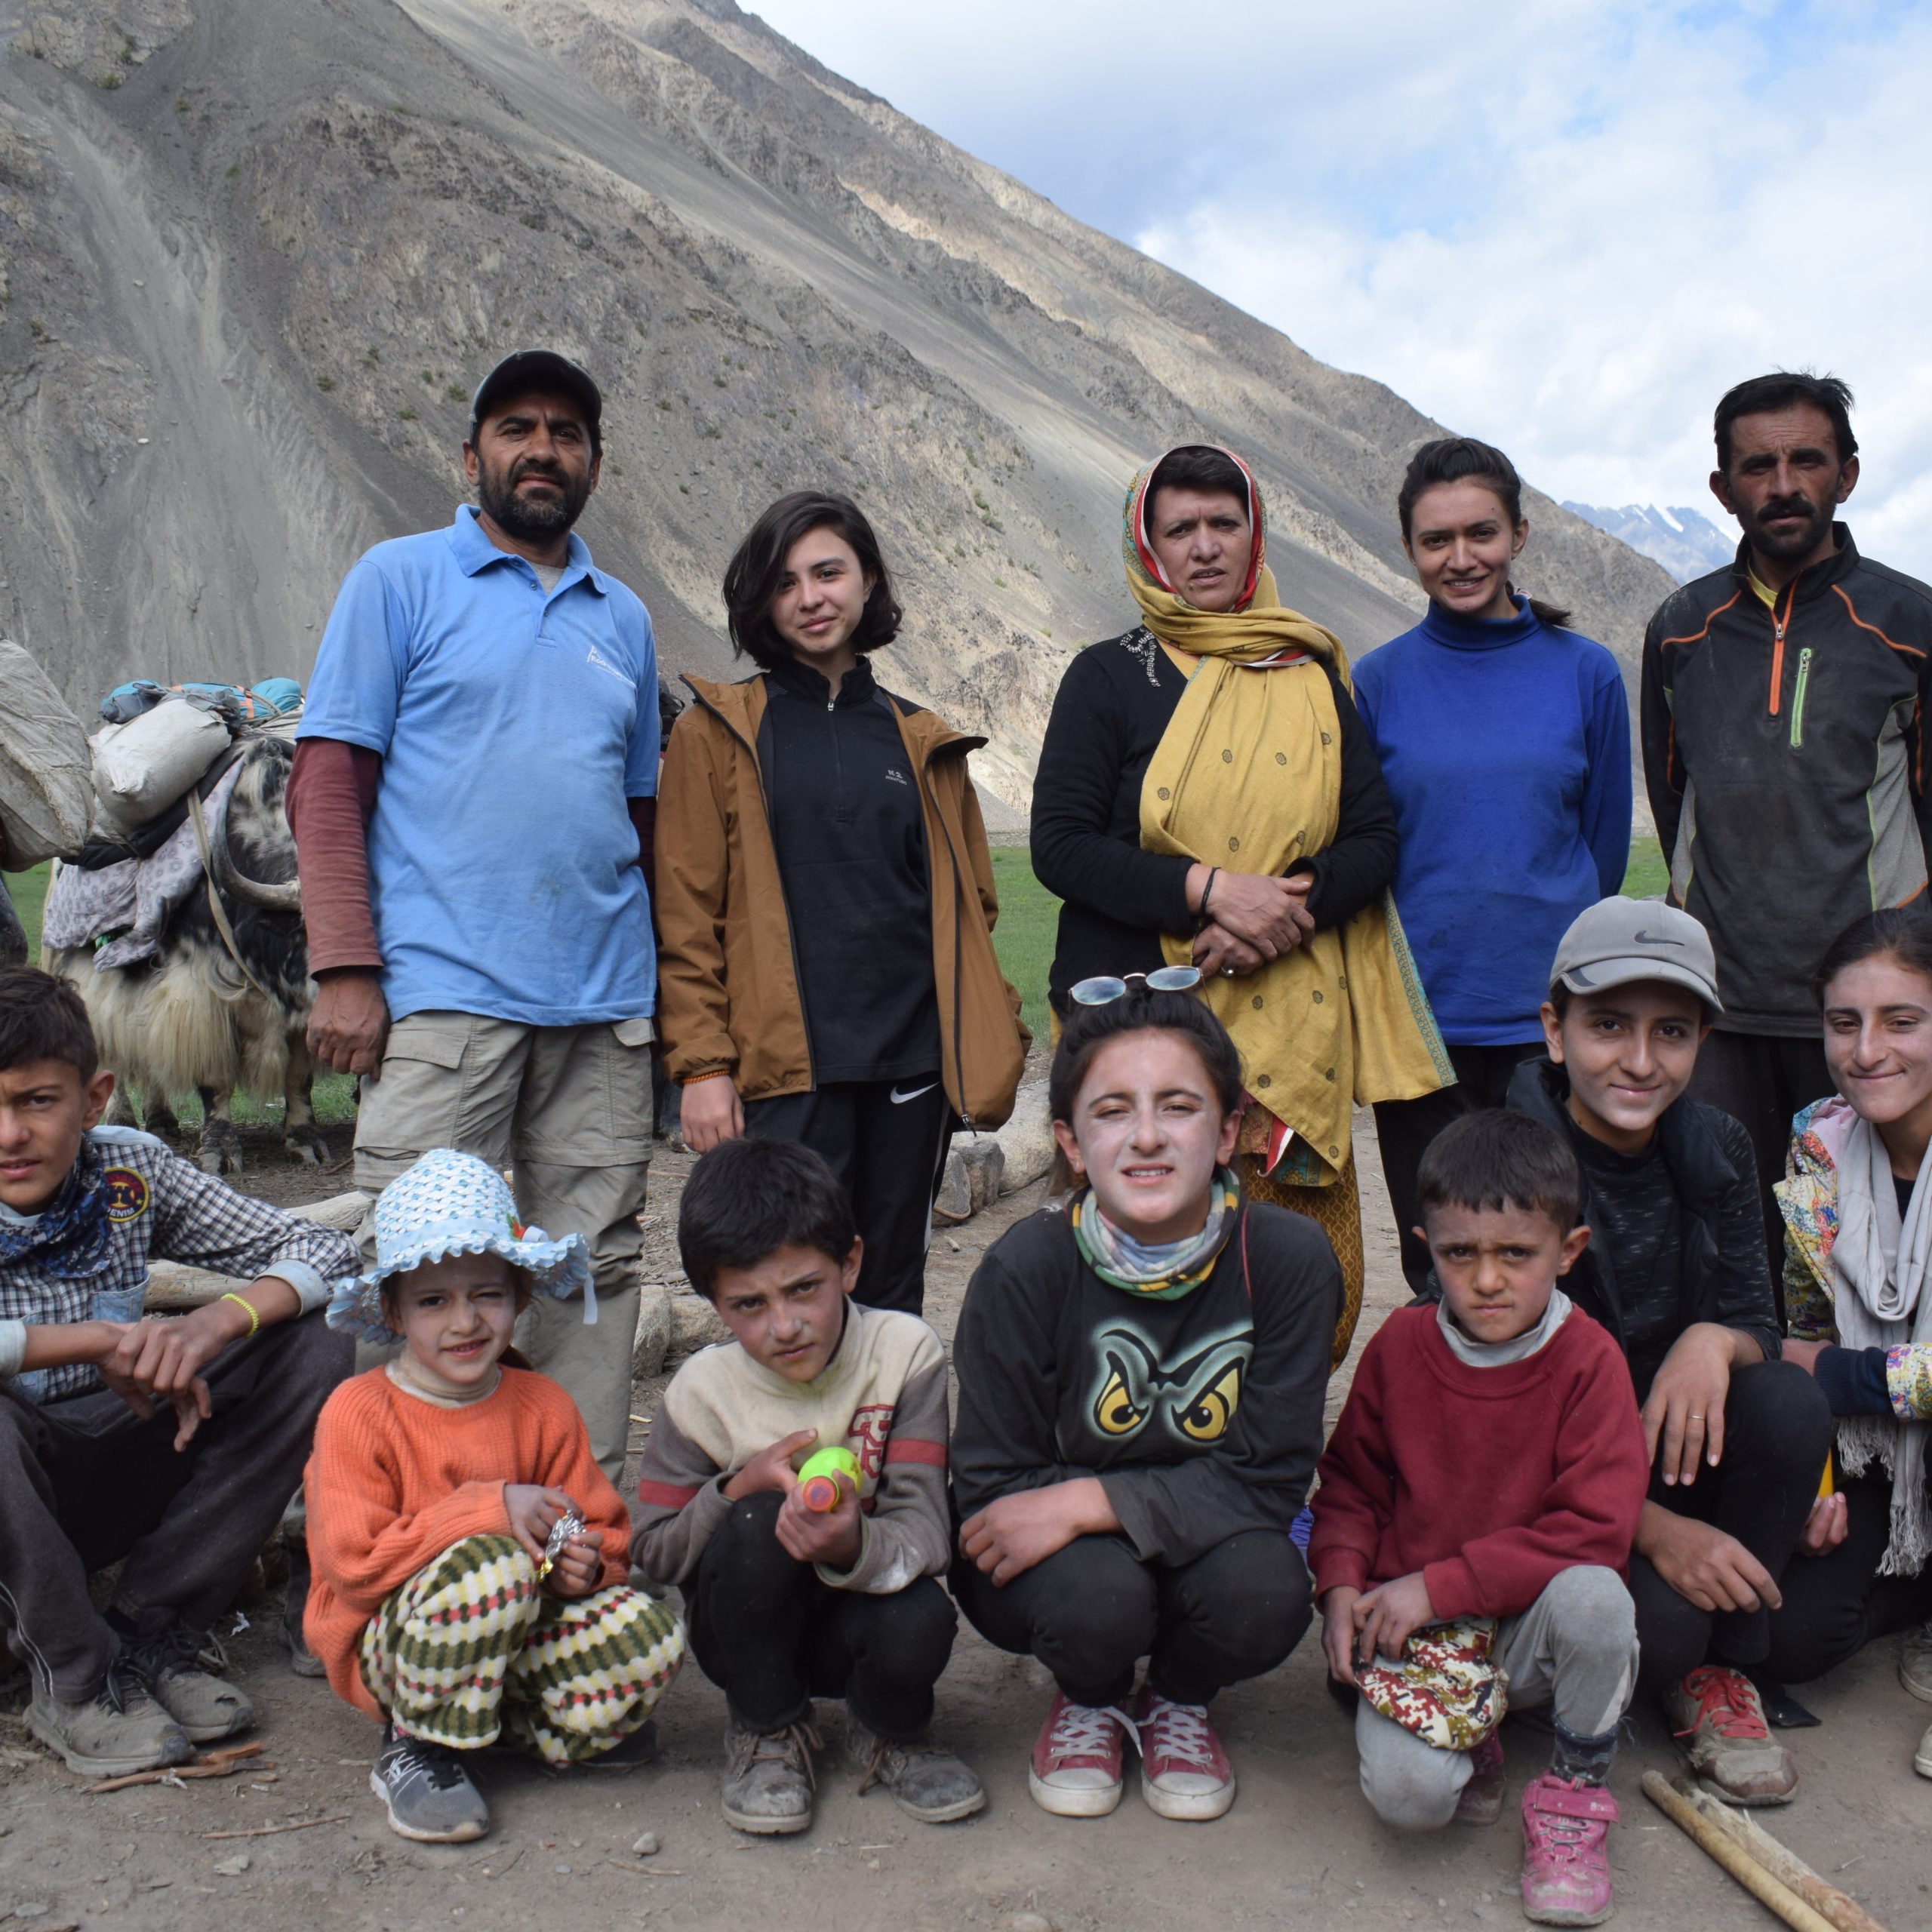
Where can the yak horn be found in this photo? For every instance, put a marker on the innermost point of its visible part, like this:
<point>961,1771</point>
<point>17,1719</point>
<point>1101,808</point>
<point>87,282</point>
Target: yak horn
<point>275,898</point>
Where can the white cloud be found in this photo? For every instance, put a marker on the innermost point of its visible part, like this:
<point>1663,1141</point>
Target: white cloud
<point>1567,226</point>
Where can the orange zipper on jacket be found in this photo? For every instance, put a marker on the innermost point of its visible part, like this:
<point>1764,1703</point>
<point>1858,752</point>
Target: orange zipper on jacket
<point>1780,627</point>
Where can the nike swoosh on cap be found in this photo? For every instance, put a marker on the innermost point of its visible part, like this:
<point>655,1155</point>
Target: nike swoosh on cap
<point>899,1099</point>
<point>1655,939</point>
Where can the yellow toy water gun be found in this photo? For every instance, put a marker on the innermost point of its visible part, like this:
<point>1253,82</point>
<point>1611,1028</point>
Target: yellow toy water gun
<point>820,1477</point>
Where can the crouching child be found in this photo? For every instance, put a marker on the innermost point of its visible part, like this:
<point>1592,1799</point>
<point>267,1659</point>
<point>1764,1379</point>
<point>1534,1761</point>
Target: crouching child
<point>1473,1520</point>
<point>174,1445</point>
<point>453,1598</point>
<point>787,1601</point>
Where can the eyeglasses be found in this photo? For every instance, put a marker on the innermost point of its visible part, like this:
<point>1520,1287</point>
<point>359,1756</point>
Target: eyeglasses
<point>1105,989</point>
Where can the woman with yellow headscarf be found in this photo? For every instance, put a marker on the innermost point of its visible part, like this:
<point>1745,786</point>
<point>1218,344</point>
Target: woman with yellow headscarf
<point>1207,794</point>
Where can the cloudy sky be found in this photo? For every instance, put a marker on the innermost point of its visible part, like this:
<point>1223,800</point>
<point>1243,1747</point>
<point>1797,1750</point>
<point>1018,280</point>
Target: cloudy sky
<point>1565,226</point>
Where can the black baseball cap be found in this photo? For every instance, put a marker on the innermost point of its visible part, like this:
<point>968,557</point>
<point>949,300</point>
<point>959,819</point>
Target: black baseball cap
<point>531,369</point>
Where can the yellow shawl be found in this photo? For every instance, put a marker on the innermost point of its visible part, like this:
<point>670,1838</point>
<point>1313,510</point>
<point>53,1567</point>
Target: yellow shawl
<point>1247,777</point>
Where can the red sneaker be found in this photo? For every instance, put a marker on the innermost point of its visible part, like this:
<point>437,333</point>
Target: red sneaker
<point>1481,1801</point>
<point>1077,1758</point>
<point>1566,1868</point>
<point>1184,1772</point>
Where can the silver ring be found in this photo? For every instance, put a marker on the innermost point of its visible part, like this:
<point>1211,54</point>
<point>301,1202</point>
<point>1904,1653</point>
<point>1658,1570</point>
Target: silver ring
<point>1695,1418</point>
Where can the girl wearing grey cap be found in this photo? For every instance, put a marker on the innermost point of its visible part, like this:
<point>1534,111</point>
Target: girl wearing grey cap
<point>1675,1270</point>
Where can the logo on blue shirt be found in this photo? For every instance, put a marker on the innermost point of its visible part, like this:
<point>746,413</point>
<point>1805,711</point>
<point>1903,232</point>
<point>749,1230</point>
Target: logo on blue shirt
<point>596,657</point>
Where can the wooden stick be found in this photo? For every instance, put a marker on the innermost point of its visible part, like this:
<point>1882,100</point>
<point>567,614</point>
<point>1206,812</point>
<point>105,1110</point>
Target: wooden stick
<point>210,1764</point>
<point>649,1870</point>
<point>1845,1912</point>
<point>270,1831</point>
<point>1768,1890</point>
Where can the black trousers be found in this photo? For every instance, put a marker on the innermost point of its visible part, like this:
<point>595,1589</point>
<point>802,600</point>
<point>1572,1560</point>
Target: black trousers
<point>1760,1080</point>
<point>85,1482</point>
<point>1092,1611</point>
<point>889,1153</point>
<point>1835,1605</point>
<point>772,1636</point>
<point>1777,1430</point>
<point>1405,1129</point>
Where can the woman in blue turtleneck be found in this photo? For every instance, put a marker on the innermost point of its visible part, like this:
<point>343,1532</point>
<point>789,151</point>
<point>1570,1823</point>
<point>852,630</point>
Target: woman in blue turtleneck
<point>1505,741</point>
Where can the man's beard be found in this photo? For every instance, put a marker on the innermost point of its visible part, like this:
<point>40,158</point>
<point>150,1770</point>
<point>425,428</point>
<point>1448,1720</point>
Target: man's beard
<point>1787,547</point>
<point>534,519</point>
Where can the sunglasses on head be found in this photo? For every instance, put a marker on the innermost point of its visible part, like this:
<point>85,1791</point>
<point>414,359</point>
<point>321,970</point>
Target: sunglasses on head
<point>1106,989</point>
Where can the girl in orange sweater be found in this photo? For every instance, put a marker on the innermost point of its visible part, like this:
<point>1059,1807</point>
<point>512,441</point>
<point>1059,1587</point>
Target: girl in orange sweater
<point>469,1555</point>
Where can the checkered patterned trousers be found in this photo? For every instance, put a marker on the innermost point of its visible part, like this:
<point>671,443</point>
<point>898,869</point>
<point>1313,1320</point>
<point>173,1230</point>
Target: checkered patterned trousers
<point>471,1647</point>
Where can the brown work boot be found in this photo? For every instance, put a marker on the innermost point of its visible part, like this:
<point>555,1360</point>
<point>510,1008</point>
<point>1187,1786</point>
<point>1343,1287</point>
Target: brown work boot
<point>1720,1726</point>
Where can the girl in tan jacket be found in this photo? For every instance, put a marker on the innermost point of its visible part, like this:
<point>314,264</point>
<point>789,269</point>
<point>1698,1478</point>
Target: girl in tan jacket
<point>825,896</point>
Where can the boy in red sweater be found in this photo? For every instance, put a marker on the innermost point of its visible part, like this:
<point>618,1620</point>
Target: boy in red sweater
<point>1475,1517</point>
<point>469,1555</point>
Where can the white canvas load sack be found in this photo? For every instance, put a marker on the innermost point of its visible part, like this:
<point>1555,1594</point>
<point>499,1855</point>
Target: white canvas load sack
<point>141,767</point>
<point>46,788</point>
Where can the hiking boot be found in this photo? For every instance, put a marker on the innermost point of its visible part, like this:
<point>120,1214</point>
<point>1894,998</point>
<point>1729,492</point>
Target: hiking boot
<point>120,1730</point>
<point>1915,1663</point>
<point>1921,1758</point>
<point>769,1779</point>
<point>1719,1721</point>
<point>179,1665</point>
<point>926,1781</point>
<point>1076,1771</point>
<point>1566,1868</point>
<point>426,1791</point>
<point>1184,1772</point>
<point>302,1660</point>
<point>1481,1801</point>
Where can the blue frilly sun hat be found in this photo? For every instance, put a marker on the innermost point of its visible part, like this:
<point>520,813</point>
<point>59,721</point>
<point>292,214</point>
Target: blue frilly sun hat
<point>454,1204</point>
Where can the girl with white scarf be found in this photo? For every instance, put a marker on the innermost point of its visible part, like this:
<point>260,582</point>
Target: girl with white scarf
<point>1857,1205</point>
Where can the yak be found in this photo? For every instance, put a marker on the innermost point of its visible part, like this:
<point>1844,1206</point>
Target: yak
<point>194,1016</point>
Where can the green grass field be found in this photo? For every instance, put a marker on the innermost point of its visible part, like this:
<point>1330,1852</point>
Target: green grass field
<point>1024,940</point>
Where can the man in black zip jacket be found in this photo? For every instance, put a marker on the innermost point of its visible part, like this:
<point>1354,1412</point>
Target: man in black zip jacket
<point>1783,730</point>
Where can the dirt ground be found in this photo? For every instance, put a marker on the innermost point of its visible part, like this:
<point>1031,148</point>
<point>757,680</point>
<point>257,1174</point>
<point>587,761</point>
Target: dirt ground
<point>1299,1846</point>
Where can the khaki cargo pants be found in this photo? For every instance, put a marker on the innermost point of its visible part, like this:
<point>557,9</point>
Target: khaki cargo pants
<point>568,1110</point>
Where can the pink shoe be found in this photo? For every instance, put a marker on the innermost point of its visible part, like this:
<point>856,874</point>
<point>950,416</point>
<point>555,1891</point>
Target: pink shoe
<point>1184,1772</point>
<point>1566,1872</point>
<point>1077,1758</point>
<point>1481,1801</point>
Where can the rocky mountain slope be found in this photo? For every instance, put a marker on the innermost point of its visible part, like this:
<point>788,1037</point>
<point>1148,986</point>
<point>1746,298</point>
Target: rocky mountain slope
<point>253,254</point>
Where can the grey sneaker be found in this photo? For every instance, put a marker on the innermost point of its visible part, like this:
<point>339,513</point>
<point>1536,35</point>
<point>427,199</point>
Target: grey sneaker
<point>1915,1663</point>
<point>179,1666</point>
<point>426,1791</point>
<point>119,1730</point>
<point>769,1780</point>
<point>926,1781</point>
<point>1719,1721</point>
<point>1921,1758</point>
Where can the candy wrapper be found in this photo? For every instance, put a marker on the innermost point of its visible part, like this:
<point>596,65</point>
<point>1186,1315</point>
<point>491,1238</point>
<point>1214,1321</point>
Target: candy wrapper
<point>569,1525</point>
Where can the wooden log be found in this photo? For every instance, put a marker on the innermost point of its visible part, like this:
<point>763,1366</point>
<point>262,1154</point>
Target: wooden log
<point>1845,1912</point>
<point>173,1288</point>
<point>1768,1890</point>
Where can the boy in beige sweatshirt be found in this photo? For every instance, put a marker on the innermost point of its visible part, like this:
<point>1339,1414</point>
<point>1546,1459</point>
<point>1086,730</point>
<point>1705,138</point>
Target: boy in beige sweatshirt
<point>784,1602</point>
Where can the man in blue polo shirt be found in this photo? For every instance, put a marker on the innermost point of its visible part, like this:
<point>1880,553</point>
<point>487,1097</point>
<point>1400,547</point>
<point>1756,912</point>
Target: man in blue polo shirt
<point>472,802</point>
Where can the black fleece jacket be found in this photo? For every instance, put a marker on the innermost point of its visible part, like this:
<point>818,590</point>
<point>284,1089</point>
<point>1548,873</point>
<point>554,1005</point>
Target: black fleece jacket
<point>1200,1416</point>
<point>1722,1276</point>
<point>1785,755</point>
<point>1114,703</point>
<point>849,832</point>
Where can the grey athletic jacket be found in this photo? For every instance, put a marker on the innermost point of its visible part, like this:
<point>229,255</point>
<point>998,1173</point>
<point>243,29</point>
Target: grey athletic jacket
<point>1784,753</point>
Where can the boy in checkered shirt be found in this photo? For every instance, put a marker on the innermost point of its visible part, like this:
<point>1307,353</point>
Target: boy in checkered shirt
<point>175,1444</point>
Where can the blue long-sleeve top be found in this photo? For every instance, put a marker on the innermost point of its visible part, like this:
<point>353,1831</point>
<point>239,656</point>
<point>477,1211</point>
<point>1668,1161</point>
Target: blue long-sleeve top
<point>1505,745</point>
